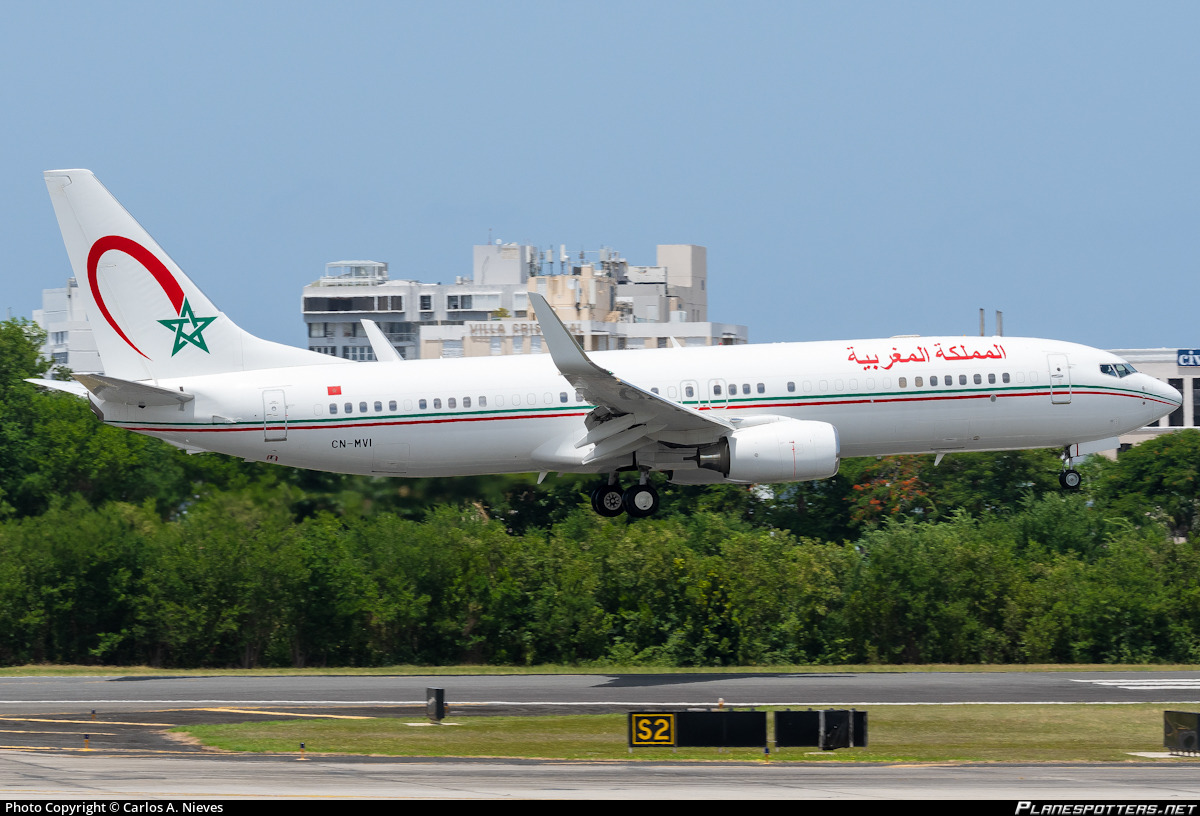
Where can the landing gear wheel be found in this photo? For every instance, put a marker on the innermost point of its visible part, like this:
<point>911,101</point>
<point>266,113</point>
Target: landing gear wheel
<point>607,500</point>
<point>641,501</point>
<point>1070,479</point>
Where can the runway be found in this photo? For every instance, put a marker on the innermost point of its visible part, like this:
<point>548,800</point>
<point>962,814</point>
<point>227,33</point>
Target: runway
<point>43,720</point>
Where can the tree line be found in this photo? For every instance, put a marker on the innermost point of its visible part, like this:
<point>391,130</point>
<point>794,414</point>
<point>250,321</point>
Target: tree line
<point>118,549</point>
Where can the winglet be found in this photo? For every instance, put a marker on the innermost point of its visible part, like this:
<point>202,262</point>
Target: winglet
<point>384,351</point>
<point>565,351</point>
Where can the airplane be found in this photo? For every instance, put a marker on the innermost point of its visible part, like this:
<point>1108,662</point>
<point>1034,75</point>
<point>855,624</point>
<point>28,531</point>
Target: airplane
<point>179,369</point>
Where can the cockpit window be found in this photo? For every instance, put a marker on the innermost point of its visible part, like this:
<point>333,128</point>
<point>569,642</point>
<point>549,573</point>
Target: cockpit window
<point>1117,369</point>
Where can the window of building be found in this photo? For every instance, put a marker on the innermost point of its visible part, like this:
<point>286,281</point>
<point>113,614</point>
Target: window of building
<point>1175,420</point>
<point>360,354</point>
<point>426,303</point>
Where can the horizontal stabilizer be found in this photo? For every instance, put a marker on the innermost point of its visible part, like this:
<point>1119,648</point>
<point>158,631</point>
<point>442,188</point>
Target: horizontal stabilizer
<point>69,386</point>
<point>111,389</point>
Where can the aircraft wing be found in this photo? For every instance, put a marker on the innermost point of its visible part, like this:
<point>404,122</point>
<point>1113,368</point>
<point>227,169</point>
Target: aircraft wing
<point>635,414</point>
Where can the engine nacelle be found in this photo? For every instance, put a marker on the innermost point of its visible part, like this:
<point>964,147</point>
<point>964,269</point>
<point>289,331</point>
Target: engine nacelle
<point>787,450</point>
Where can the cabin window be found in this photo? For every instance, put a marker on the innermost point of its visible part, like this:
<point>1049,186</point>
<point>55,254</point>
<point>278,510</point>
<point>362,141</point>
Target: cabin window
<point>483,402</point>
<point>452,403</point>
<point>466,402</point>
<point>318,410</point>
<point>391,405</point>
<point>333,408</point>
<point>978,379</point>
<point>917,382</point>
<point>791,386</point>
<point>437,403</point>
<point>349,406</point>
<point>1004,376</point>
<point>562,396</point>
<point>962,379</point>
<point>652,391</point>
<point>422,404</point>
<point>378,406</point>
<point>933,380</point>
<point>762,388</point>
<point>903,382</point>
<point>578,397</point>
<point>362,407</point>
<point>689,391</point>
<point>991,379</point>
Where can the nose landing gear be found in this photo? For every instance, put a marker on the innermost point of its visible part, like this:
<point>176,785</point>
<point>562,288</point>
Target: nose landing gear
<point>1069,478</point>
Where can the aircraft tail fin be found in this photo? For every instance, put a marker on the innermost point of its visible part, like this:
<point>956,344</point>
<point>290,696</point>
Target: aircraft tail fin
<point>149,319</point>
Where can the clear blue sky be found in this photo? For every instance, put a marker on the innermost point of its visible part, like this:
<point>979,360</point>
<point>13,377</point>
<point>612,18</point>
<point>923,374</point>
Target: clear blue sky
<point>855,169</point>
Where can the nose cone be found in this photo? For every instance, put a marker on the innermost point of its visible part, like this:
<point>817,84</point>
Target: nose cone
<point>1170,398</point>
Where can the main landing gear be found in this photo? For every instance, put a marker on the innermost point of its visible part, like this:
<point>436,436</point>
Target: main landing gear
<point>638,501</point>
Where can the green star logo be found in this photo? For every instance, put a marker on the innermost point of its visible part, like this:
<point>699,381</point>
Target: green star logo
<point>188,329</point>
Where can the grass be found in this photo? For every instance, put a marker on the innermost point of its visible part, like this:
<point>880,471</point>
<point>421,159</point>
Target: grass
<point>44,670</point>
<point>968,733</point>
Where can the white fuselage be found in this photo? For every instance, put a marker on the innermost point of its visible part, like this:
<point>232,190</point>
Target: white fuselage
<point>518,414</point>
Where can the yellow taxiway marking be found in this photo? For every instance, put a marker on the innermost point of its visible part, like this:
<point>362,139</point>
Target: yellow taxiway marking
<point>284,713</point>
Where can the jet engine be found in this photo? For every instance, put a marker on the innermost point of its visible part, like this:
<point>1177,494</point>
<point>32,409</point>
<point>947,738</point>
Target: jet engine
<point>785,450</point>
